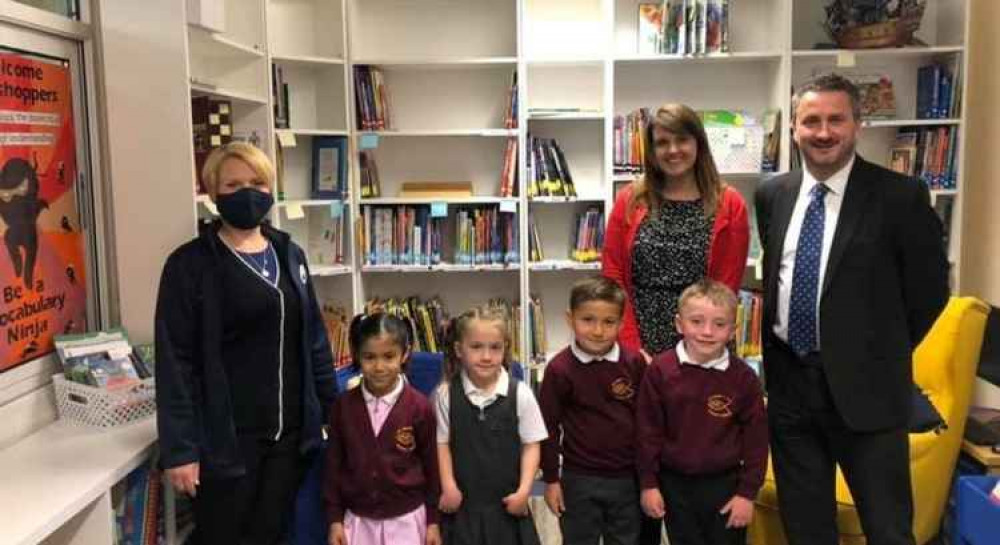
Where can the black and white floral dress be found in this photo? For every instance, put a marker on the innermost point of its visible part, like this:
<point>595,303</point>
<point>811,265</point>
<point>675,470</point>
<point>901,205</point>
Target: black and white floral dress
<point>670,254</point>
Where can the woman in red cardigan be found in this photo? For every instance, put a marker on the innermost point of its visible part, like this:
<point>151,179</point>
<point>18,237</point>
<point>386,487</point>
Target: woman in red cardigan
<point>671,227</point>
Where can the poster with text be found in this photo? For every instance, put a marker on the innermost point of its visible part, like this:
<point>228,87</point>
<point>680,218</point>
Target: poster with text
<point>42,276</point>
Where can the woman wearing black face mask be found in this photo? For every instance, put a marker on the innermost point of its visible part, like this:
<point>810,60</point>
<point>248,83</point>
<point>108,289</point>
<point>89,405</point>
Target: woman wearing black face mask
<point>244,372</point>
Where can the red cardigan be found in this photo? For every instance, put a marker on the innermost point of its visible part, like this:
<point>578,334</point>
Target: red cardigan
<point>727,252</point>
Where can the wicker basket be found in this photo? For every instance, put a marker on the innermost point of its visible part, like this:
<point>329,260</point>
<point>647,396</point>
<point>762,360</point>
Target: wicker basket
<point>103,408</point>
<point>892,33</point>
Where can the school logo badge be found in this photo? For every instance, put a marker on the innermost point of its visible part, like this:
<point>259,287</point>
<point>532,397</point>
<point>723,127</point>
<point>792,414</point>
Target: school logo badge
<point>405,440</point>
<point>720,406</point>
<point>621,389</point>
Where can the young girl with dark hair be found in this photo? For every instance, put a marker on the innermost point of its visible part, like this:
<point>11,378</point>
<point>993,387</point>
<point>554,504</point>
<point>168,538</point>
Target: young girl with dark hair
<point>381,482</point>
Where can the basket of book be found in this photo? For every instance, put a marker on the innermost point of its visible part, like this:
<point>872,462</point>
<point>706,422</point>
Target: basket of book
<point>104,407</point>
<point>105,382</point>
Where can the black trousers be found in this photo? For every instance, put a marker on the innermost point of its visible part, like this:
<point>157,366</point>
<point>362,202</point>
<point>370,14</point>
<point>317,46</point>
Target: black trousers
<point>809,439</point>
<point>599,507</point>
<point>650,530</point>
<point>693,503</point>
<point>253,509</point>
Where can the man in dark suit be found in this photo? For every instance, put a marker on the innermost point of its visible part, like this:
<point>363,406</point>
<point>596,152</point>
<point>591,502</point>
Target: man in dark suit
<point>855,273</point>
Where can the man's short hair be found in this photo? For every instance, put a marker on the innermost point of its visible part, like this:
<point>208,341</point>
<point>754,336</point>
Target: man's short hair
<point>713,290</point>
<point>829,83</point>
<point>596,288</point>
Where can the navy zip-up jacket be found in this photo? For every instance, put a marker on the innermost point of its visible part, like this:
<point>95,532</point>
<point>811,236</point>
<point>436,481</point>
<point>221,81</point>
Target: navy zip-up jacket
<point>194,416</point>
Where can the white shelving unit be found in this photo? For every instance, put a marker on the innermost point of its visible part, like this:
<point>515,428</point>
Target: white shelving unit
<point>447,65</point>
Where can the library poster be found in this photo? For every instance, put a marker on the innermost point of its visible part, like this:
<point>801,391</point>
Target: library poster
<point>42,270</point>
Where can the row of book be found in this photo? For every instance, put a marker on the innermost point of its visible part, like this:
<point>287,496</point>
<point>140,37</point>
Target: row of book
<point>510,112</point>
<point>939,91</point>
<point>508,176</point>
<point>371,99</point>
<point>587,237</point>
<point>928,153</point>
<point>279,97</point>
<point>400,235</point>
<point>337,321</point>
<point>683,27</point>
<point>139,518</point>
<point>739,141</point>
<point>426,319</point>
<point>749,314</point>
<point>537,346</point>
<point>371,185</point>
<point>486,236</point>
<point>548,172</point>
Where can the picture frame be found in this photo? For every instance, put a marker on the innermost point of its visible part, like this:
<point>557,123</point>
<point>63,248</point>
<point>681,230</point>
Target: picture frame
<point>329,167</point>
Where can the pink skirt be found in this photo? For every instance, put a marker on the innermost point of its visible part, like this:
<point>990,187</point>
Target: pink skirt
<point>407,529</point>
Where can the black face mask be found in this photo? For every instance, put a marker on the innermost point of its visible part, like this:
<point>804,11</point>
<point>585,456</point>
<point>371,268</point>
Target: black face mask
<point>244,209</point>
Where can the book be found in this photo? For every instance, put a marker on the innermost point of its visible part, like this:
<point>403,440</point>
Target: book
<point>329,167</point>
<point>650,28</point>
<point>211,124</point>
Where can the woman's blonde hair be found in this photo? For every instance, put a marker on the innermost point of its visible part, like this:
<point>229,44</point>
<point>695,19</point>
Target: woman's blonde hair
<point>459,326</point>
<point>648,188</point>
<point>256,159</point>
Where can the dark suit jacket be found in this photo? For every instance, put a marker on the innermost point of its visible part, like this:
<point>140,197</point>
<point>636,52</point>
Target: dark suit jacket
<point>886,281</point>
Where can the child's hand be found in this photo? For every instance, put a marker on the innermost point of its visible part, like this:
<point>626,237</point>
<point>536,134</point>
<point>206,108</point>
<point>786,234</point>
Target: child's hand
<point>652,503</point>
<point>740,512</point>
<point>337,534</point>
<point>185,478</point>
<point>433,535</point>
<point>554,499</point>
<point>451,499</point>
<point>516,503</point>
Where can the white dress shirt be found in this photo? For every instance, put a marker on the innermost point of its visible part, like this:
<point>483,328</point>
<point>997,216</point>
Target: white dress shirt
<point>836,184</point>
<point>612,355</point>
<point>530,425</point>
<point>718,364</point>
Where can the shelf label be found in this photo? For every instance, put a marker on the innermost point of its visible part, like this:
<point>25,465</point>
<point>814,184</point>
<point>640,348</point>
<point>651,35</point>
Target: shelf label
<point>439,209</point>
<point>294,212</point>
<point>509,207</point>
<point>368,141</point>
<point>336,209</point>
<point>845,59</point>
<point>286,139</point>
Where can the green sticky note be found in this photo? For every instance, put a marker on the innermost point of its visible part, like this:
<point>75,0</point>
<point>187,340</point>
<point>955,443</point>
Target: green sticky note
<point>439,209</point>
<point>368,141</point>
<point>336,209</point>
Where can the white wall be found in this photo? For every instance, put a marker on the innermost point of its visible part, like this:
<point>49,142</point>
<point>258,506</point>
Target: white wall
<point>981,232</point>
<point>148,150</point>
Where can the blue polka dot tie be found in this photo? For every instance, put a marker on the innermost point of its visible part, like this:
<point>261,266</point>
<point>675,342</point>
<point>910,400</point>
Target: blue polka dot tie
<point>802,308</point>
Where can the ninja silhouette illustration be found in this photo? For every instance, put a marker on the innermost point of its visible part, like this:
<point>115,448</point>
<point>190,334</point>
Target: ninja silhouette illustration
<point>71,274</point>
<point>20,208</point>
<point>66,225</point>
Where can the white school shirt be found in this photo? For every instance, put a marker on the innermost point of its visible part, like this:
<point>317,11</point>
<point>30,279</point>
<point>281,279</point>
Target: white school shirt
<point>585,358</point>
<point>719,364</point>
<point>833,201</point>
<point>530,426</point>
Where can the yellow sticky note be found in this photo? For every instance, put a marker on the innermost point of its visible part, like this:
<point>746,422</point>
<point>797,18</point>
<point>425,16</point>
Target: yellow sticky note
<point>211,207</point>
<point>294,212</point>
<point>286,139</point>
<point>846,59</point>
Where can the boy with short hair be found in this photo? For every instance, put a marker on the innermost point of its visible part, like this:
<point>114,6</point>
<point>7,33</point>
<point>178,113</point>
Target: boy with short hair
<point>702,426</point>
<point>588,401</point>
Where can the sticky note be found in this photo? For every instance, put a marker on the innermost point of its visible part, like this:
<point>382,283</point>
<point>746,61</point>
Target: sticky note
<point>286,139</point>
<point>758,268</point>
<point>368,141</point>
<point>439,209</point>
<point>336,209</point>
<point>508,206</point>
<point>211,207</point>
<point>845,59</point>
<point>294,212</point>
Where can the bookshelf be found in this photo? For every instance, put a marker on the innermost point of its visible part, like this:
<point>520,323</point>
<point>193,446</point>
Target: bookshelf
<point>446,66</point>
